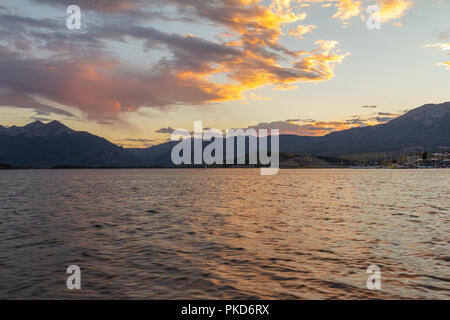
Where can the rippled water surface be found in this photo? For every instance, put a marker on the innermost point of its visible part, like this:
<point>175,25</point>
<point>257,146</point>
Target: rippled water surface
<point>224,233</point>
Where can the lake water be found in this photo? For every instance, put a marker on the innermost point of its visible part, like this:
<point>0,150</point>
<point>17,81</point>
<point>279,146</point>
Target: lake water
<point>224,233</point>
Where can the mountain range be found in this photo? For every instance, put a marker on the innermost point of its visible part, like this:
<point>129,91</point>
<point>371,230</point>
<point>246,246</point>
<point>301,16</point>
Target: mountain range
<point>55,145</point>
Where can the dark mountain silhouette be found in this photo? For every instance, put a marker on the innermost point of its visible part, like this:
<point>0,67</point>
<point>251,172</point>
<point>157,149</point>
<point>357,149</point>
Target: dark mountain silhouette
<point>426,126</point>
<point>158,156</point>
<point>53,144</point>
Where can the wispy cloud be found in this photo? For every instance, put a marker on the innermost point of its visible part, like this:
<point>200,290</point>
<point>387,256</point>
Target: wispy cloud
<point>136,143</point>
<point>300,30</point>
<point>348,9</point>
<point>309,127</point>
<point>167,130</point>
<point>442,45</point>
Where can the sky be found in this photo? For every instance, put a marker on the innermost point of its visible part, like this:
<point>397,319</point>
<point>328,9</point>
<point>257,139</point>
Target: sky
<point>136,70</point>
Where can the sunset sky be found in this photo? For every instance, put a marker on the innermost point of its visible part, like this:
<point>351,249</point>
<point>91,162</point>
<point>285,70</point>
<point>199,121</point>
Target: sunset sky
<point>138,69</point>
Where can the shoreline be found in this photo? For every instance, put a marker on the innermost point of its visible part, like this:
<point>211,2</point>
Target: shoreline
<point>202,168</point>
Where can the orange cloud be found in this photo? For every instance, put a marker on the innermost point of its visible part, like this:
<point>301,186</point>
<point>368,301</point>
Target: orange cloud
<point>194,70</point>
<point>393,9</point>
<point>318,128</point>
<point>347,9</point>
<point>261,59</point>
<point>310,127</point>
<point>445,64</point>
<point>299,31</point>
